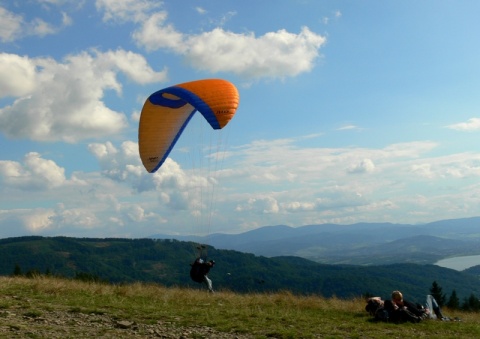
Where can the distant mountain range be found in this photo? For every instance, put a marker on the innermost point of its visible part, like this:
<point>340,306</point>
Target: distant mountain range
<point>357,244</point>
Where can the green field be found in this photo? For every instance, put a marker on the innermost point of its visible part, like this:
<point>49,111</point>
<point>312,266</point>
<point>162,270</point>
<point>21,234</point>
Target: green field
<point>47,307</point>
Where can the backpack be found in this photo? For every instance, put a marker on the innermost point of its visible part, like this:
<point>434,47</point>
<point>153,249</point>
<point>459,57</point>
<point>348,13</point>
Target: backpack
<point>198,271</point>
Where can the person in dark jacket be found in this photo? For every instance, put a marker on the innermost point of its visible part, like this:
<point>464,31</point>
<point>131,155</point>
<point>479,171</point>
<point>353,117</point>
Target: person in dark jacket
<point>199,272</point>
<point>404,310</point>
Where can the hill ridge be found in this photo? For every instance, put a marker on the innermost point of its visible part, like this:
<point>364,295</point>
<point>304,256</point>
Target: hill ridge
<point>167,262</point>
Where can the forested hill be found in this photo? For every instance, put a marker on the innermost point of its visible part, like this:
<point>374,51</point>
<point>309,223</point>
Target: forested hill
<point>167,262</point>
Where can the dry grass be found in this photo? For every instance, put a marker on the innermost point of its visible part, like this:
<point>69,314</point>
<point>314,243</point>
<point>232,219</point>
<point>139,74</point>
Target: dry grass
<point>279,315</point>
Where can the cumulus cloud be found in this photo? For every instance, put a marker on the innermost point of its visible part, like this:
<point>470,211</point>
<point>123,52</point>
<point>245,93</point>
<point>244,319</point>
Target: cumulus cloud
<point>460,166</point>
<point>177,188</point>
<point>273,55</point>
<point>136,213</point>
<point>118,164</point>
<point>333,198</point>
<point>64,101</point>
<point>35,221</point>
<point>133,65</point>
<point>17,75</point>
<point>470,125</point>
<point>35,173</point>
<point>298,206</point>
<point>155,33</point>
<point>125,194</point>
<point>184,189</point>
<point>47,221</point>
<point>364,166</point>
<point>80,217</point>
<point>266,205</point>
<point>332,194</point>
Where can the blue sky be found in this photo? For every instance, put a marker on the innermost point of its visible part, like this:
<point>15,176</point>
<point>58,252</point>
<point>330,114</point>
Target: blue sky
<point>350,111</point>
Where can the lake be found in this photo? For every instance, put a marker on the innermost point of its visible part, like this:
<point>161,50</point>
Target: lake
<point>459,263</point>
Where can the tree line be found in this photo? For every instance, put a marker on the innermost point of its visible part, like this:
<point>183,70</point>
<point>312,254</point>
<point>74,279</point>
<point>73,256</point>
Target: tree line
<point>469,304</point>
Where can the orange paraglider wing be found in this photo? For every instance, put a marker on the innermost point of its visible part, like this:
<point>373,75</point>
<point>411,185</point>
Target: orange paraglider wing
<point>167,112</point>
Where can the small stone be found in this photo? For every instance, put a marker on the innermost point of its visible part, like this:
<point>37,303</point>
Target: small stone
<point>124,324</point>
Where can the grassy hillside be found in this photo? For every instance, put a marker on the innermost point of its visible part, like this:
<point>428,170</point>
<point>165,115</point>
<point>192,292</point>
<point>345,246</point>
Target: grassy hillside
<point>46,307</point>
<point>168,263</point>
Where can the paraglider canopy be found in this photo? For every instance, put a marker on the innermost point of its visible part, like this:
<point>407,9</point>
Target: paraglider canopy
<point>167,112</point>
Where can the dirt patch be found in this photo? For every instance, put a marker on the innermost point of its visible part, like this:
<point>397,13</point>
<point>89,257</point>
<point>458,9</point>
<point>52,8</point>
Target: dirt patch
<point>65,324</point>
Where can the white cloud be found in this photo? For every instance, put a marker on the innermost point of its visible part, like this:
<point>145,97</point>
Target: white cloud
<point>364,166</point>
<point>321,189</point>
<point>297,206</point>
<point>176,188</point>
<point>273,55</point>
<point>316,192</point>
<point>86,204</point>
<point>266,205</point>
<point>126,10</point>
<point>66,19</point>
<point>200,10</point>
<point>336,15</point>
<point>470,125</point>
<point>423,170</point>
<point>409,149</point>
<point>155,34</point>
<point>10,25</point>
<point>37,220</point>
<point>118,164</point>
<point>48,221</point>
<point>17,75</point>
<point>13,26</point>
<point>35,173</point>
<point>133,65</point>
<point>459,166</point>
<point>41,28</point>
<point>136,213</point>
<point>65,218</point>
<point>348,128</point>
<point>57,2</point>
<point>63,101</point>
<point>226,18</point>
